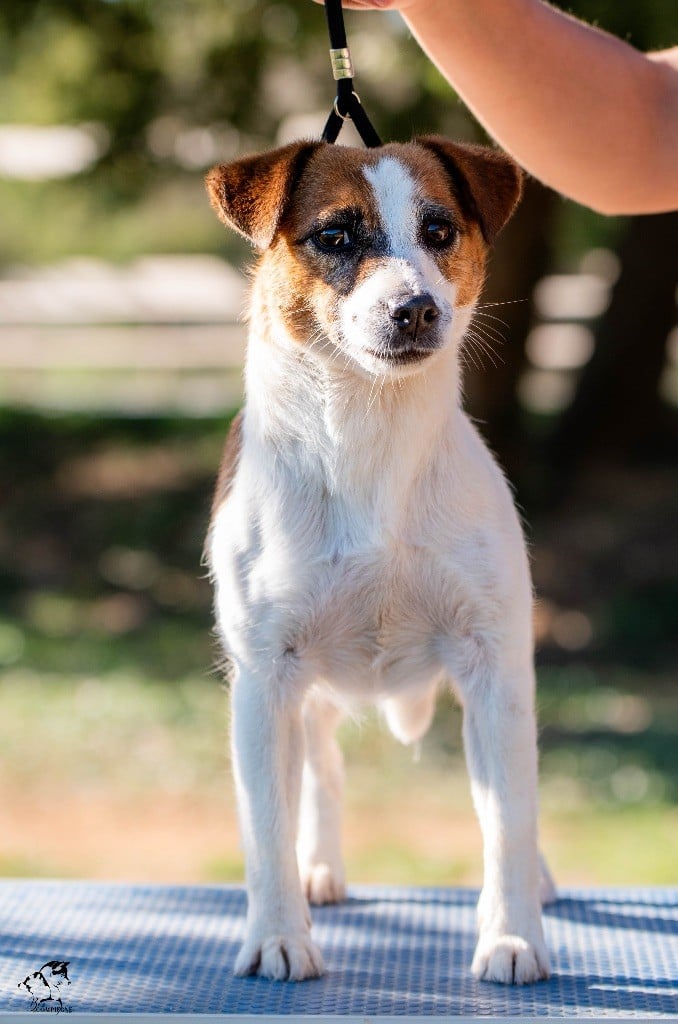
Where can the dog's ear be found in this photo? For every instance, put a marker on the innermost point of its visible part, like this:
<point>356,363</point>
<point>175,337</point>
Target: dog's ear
<point>250,194</point>
<point>488,182</point>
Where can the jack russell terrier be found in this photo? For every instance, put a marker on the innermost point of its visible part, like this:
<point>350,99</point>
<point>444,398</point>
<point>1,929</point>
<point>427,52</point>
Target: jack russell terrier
<point>364,543</point>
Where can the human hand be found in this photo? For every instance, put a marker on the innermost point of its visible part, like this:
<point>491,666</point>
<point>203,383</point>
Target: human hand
<point>377,5</point>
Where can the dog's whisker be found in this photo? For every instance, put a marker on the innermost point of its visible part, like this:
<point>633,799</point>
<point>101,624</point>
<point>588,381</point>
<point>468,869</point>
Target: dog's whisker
<point>490,327</point>
<point>469,350</point>
<point>506,302</point>
<point>476,353</point>
<point>489,332</point>
<point>382,385</point>
<point>370,399</point>
<point>490,339</point>
<point>479,313</point>
<point>484,350</point>
<point>484,345</point>
<point>491,342</point>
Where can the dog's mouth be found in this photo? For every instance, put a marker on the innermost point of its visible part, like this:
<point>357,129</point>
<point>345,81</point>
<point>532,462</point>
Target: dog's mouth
<point>402,356</point>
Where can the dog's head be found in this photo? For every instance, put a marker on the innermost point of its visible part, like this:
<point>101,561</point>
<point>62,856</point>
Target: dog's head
<point>380,253</point>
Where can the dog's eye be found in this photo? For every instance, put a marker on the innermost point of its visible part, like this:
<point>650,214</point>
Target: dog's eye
<point>438,232</point>
<point>335,238</point>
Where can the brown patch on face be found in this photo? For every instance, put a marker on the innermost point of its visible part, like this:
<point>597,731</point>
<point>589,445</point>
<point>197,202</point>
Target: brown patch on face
<point>465,266</point>
<point>309,284</point>
<point>464,262</point>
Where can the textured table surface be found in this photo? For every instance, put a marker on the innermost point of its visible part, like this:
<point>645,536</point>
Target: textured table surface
<point>389,952</point>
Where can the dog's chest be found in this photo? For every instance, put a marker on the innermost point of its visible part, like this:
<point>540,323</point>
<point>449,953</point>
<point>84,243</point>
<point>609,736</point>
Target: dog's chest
<point>371,596</point>
<point>373,623</point>
<point>379,615</point>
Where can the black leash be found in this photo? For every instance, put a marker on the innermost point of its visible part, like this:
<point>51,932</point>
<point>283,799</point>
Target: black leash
<point>347,105</point>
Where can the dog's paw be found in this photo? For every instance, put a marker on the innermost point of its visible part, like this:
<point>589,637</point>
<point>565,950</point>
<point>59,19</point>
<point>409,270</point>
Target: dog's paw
<point>510,960</point>
<point>281,957</point>
<point>321,884</point>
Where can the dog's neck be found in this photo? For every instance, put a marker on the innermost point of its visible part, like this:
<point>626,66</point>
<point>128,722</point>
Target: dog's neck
<point>353,434</point>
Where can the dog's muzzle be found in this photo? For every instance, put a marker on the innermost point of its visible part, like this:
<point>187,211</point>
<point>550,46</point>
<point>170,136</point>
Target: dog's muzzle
<point>413,333</point>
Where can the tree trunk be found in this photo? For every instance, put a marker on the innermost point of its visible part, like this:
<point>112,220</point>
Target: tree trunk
<point>618,414</point>
<point>519,261</point>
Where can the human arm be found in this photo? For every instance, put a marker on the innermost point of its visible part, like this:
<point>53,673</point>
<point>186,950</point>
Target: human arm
<point>581,110</point>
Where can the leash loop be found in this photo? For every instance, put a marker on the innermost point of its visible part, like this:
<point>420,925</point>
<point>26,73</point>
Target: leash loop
<point>347,105</point>
<point>344,117</point>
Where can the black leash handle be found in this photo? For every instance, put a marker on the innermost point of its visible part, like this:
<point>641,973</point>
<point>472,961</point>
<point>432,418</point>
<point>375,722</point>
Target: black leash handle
<point>347,105</point>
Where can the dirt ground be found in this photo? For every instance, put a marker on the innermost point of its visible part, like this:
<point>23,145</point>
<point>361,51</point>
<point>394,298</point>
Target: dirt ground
<point>413,838</point>
<point>177,839</point>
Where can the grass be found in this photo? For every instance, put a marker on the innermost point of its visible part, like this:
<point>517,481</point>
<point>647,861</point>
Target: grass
<point>119,746</point>
<point>113,736</point>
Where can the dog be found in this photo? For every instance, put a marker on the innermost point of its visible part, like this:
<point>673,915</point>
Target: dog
<point>364,545</point>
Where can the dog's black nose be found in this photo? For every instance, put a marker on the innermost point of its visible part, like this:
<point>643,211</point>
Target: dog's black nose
<point>414,316</point>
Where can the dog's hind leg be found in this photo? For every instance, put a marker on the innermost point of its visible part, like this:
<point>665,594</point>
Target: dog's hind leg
<point>548,892</point>
<point>319,838</point>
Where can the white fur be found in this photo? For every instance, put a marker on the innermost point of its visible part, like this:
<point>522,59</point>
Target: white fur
<point>368,551</point>
<point>397,195</point>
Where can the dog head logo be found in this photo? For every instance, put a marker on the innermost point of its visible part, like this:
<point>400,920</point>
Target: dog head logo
<point>47,984</point>
<point>378,256</point>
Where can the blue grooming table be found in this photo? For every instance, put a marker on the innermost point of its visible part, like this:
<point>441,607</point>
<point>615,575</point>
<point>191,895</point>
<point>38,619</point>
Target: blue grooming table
<point>390,952</point>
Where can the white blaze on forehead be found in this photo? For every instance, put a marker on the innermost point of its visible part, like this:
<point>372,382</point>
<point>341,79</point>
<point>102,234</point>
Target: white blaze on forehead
<point>396,195</point>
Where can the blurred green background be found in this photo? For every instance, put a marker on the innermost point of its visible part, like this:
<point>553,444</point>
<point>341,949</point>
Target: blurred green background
<point>121,352</point>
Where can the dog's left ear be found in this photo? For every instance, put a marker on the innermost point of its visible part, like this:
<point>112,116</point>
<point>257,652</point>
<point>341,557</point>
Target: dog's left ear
<point>250,194</point>
<point>488,182</point>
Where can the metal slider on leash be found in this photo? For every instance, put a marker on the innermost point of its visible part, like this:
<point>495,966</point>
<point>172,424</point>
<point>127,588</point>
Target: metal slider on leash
<point>342,65</point>
<point>347,105</point>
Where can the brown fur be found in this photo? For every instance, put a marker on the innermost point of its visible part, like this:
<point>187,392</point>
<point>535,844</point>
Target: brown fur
<point>249,195</point>
<point>229,463</point>
<point>487,182</point>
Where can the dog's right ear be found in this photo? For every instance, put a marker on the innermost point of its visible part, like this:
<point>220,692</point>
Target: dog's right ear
<point>250,195</point>
<point>488,182</point>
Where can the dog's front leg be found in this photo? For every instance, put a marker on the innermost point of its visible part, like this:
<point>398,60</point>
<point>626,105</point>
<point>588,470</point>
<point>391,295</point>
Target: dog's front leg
<point>501,749</point>
<point>267,740</point>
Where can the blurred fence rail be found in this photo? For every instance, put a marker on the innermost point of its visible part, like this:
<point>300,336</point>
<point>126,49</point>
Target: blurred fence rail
<point>164,335</point>
<point>158,336</point>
